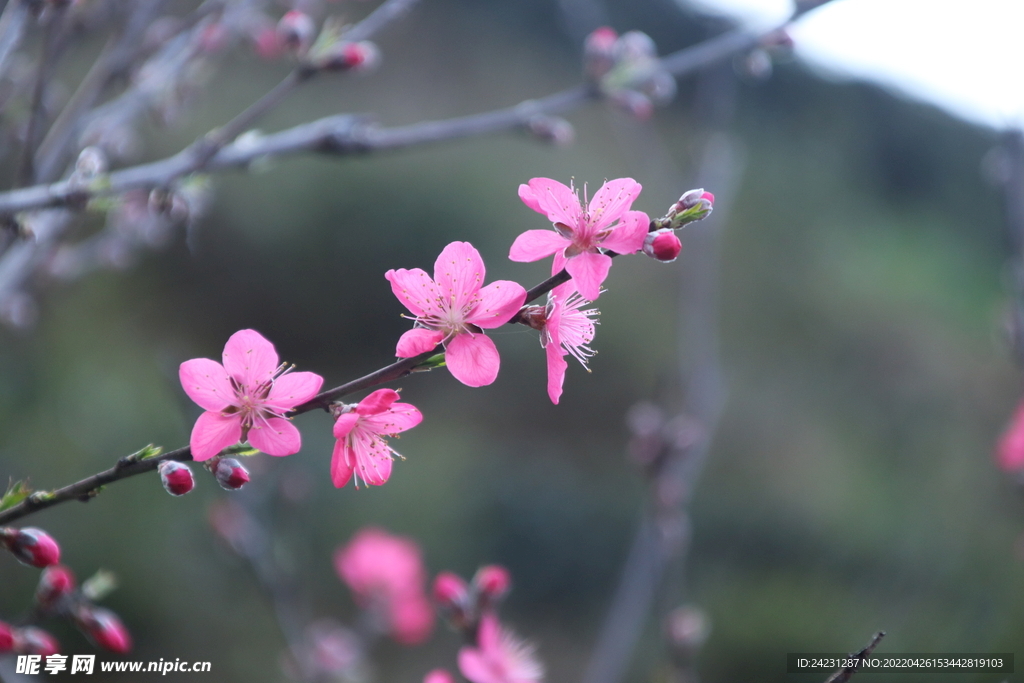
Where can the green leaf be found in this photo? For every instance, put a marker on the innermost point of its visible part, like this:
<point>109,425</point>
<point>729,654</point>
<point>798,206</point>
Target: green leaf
<point>17,491</point>
<point>99,585</point>
<point>435,361</point>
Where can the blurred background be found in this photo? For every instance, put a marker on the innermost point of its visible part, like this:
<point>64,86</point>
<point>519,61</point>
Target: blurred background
<point>850,485</point>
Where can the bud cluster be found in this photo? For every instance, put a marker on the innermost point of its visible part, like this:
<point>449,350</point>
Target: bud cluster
<point>464,604</point>
<point>178,480</point>
<point>627,71</point>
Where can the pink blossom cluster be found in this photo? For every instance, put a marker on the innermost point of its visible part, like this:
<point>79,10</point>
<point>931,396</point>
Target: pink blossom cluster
<point>250,396</point>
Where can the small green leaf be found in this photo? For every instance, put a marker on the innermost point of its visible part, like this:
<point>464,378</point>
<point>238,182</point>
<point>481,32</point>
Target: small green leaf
<point>435,361</point>
<point>243,450</point>
<point>148,451</point>
<point>99,585</point>
<point>17,491</point>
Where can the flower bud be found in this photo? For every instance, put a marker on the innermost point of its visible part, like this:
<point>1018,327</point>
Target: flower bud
<point>31,546</point>
<point>634,103</point>
<point>230,474</point>
<point>493,582</point>
<point>103,628</point>
<point>6,638</point>
<point>553,129</point>
<point>176,477</point>
<point>692,206</point>
<point>55,582</point>
<point>35,641</point>
<point>450,592</point>
<point>296,31</point>
<point>662,245</point>
<point>599,52</point>
<point>439,676</point>
<point>267,43</point>
<point>344,56</point>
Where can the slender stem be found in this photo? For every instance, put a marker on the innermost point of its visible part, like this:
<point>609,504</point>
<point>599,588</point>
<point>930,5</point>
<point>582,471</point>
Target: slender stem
<point>844,674</point>
<point>13,23</point>
<point>37,111</point>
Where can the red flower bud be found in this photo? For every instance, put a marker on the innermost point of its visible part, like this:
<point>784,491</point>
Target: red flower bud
<point>6,638</point>
<point>31,546</point>
<point>103,628</point>
<point>55,582</point>
<point>230,474</point>
<point>296,31</point>
<point>599,52</point>
<point>35,641</point>
<point>493,581</point>
<point>662,245</point>
<point>176,477</point>
<point>450,591</point>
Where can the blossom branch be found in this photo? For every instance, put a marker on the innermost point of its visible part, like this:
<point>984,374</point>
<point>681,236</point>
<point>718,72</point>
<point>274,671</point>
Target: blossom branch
<point>351,134</point>
<point>844,674</point>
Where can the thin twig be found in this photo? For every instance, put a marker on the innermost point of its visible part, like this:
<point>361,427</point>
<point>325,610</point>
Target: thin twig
<point>37,110</point>
<point>844,674</point>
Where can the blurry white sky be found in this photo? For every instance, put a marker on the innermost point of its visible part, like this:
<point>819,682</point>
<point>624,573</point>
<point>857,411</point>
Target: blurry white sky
<point>965,57</point>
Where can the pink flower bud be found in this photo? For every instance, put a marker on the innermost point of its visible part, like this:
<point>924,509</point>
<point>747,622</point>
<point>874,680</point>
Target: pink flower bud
<point>599,52</point>
<point>662,245</point>
<point>636,104</point>
<point>55,582</point>
<point>31,546</point>
<point>361,56</point>
<point>696,197</point>
<point>493,581</point>
<point>296,31</point>
<point>450,592</point>
<point>268,43</point>
<point>176,477</point>
<point>35,641</point>
<point>230,474</point>
<point>104,628</point>
<point>6,638</point>
<point>439,676</point>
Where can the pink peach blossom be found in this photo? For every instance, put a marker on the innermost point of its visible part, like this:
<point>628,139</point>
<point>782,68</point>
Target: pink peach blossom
<point>454,308</point>
<point>500,657</point>
<point>567,330</point>
<point>581,233</point>
<point>361,449</point>
<point>386,572</point>
<point>246,398</point>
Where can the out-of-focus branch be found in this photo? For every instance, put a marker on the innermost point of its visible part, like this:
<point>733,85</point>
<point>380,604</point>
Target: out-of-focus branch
<point>37,110</point>
<point>349,134</point>
<point>844,674</point>
<point>13,23</point>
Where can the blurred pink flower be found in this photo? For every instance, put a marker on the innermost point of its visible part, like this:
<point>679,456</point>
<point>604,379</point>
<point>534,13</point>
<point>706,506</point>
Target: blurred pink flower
<point>246,398</point>
<point>360,448</point>
<point>386,572</point>
<point>1010,450</point>
<point>606,223</point>
<point>500,657</point>
<point>568,330</point>
<point>455,308</point>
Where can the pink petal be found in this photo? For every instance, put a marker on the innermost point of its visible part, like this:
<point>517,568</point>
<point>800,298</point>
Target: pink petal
<point>558,263</point>
<point>344,424</point>
<point>476,667</point>
<point>533,245</point>
<point>207,383</point>
<point>293,389</point>
<point>400,417</point>
<point>414,289</point>
<point>412,619</point>
<point>499,301</point>
<point>459,272</point>
<point>377,402</point>
<point>556,370</point>
<point>275,436</point>
<point>372,457</point>
<point>558,202</point>
<point>611,201</point>
<point>341,471</point>
<point>416,341</point>
<point>628,236</point>
<point>250,358</point>
<point>473,359</point>
<point>1010,451</point>
<point>589,271</point>
<point>213,433</point>
<point>529,198</point>
<point>488,636</point>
